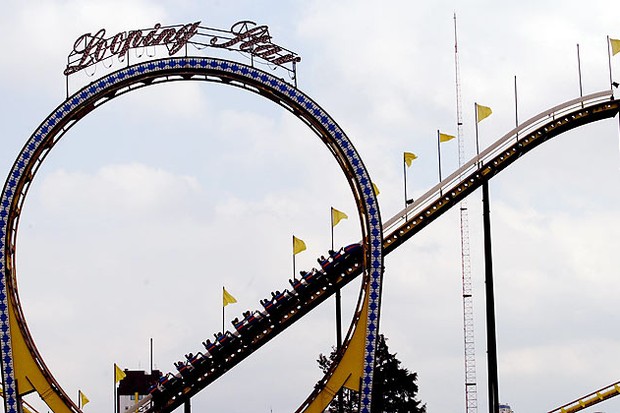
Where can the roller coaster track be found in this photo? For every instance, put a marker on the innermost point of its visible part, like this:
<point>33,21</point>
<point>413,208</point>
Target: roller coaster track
<point>398,229</point>
<point>34,375</point>
<point>590,399</point>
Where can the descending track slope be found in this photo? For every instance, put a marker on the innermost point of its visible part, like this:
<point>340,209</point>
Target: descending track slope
<point>397,230</point>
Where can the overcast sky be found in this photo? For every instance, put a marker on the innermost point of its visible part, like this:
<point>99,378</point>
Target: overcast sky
<point>155,200</point>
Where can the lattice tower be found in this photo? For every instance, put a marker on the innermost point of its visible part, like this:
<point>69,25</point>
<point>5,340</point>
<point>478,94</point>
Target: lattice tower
<point>471,391</point>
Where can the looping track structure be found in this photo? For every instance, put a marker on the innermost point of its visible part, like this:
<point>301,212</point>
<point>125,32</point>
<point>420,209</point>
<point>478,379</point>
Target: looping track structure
<point>23,368</point>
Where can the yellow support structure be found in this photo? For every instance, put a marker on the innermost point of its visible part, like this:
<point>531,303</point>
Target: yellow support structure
<point>29,373</point>
<point>347,373</point>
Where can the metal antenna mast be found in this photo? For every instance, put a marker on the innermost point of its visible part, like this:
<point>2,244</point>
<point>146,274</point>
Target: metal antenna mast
<point>471,391</point>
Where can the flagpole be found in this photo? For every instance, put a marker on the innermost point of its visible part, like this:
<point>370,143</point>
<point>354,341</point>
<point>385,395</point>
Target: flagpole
<point>223,310</point>
<point>439,160</point>
<point>151,356</point>
<point>332,224</point>
<point>516,109</point>
<point>611,82</point>
<point>115,401</point>
<point>405,180</point>
<point>294,256</point>
<point>579,70</point>
<point>338,311</point>
<point>477,142</point>
<point>79,400</point>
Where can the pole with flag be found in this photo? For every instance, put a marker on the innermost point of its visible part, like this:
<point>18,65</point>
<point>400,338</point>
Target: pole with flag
<point>408,158</point>
<point>441,137</point>
<point>336,216</point>
<point>82,399</point>
<point>227,298</point>
<point>579,71</point>
<point>119,375</point>
<point>613,48</point>
<point>482,112</point>
<point>298,246</point>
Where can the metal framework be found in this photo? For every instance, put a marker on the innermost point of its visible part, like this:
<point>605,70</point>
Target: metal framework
<point>469,343</point>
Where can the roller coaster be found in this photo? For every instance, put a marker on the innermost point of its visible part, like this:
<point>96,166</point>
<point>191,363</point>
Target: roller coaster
<point>292,306</point>
<point>24,370</point>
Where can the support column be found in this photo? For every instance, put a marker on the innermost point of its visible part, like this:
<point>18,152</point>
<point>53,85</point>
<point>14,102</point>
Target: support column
<point>490,304</point>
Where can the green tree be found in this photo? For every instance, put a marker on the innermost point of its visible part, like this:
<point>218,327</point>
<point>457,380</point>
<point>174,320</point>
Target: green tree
<point>394,387</point>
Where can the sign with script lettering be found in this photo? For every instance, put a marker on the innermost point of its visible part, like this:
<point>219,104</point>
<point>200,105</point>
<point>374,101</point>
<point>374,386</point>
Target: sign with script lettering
<point>244,36</point>
<point>248,37</point>
<point>91,49</point>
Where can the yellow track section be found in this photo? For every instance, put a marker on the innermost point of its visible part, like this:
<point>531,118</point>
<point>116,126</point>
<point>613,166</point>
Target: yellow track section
<point>346,370</point>
<point>31,373</point>
<point>590,400</point>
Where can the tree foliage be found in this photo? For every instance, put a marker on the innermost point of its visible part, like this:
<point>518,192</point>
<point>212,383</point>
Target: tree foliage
<point>394,387</point>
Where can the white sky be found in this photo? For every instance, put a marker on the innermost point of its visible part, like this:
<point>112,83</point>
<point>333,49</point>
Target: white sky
<point>153,202</point>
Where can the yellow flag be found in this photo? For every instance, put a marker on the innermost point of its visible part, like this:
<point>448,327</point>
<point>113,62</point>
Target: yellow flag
<point>227,298</point>
<point>337,216</point>
<point>376,189</point>
<point>118,374</point>
<point>298,245</point>
<point>482,112</point>
<point>444,137</point>
<point>410,157</point>
<point>83,398</point>
<point>615,46</point>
